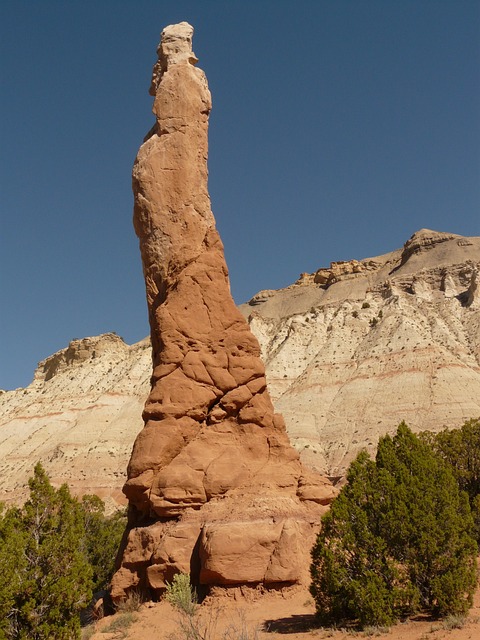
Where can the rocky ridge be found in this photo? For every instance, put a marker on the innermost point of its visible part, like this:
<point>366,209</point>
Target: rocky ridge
<point>353,349</point>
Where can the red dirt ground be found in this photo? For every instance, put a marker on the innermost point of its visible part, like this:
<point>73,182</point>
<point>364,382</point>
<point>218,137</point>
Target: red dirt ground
<point>287,615</point>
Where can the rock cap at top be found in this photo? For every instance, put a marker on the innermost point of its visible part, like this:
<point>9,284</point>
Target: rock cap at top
<point>175,47</point>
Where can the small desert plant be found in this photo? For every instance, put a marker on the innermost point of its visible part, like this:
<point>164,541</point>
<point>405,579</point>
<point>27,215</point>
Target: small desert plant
<point>132,603</point>
<point>454,622</point>
<point>240,630</point>
<point>120,624</point>
<point>355,314</point>
<point>89,631</point>
<point>375,630</point>
<point>194,624</point>
<point>181,595</point>
<point>366,305</point>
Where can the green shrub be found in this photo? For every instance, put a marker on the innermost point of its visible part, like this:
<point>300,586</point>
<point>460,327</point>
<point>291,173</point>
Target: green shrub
<point>53,552</point>
<point>54,579</point>
<point>181,595</point>
<point>460,448</point>
<point>102,539</point>
<point>398,538</point>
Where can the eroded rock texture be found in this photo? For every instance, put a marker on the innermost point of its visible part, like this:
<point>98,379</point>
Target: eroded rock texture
<point>214,486</point>
<point>354,349</point>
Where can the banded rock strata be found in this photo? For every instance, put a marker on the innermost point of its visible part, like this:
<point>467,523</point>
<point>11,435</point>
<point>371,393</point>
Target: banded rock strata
<point>78,417</point>
<point>353,351</point>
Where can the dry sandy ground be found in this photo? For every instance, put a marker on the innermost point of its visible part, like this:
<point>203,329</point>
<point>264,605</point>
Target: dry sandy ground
<point>275,616</point>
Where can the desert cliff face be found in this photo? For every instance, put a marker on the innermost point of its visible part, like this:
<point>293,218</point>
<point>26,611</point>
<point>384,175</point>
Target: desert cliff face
<point>340,372</point>
<point>78,417</point>
<point>391,338</point>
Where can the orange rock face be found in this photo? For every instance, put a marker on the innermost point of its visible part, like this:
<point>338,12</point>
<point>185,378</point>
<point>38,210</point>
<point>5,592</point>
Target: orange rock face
<point>215,488</point>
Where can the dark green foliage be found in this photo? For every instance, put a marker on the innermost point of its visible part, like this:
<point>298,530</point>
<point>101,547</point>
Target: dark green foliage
<point>47,574</point>
<point>12,565</point>
<point>397,539</point>
<point>461,449</point>
<point>53,579</point>
<point>102,536</point>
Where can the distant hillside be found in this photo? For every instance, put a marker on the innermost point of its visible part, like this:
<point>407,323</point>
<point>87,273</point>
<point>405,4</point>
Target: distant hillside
<point>350,351</point>
<point>354,349</point>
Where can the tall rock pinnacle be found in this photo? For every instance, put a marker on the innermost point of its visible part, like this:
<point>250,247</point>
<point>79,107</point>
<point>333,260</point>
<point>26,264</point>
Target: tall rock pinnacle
<point>213,457</point>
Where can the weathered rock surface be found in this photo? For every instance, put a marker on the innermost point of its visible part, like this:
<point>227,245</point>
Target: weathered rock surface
<point>211,441</point>
<point>79,417</point>
<point>391,338</point>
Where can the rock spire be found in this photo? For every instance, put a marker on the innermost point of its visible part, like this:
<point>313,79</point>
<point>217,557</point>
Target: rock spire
<point>214,486</point>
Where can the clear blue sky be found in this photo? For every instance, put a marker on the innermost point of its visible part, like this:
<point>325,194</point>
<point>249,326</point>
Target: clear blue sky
<point>338,129</point>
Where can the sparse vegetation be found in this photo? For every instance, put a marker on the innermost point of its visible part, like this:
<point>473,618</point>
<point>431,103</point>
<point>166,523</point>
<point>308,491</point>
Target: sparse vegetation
<point>375,630</point>
<point>454,622</point>
<point>192,625</point>
<point>120,624</point>
<point>181,595</point>
<point>240,630</point>
<point>88,632</point>
<point>183,598</point>
<point>366,305</point>
<point>397,539</point>
<point>132,603</point>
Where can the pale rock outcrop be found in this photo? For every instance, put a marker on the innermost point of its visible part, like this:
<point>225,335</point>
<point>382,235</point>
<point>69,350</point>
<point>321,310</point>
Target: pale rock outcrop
<point>448,286</point>
<point>78,418</point>
<point>212,473</point>
<point>473,294</point>
<point>398,341</point>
